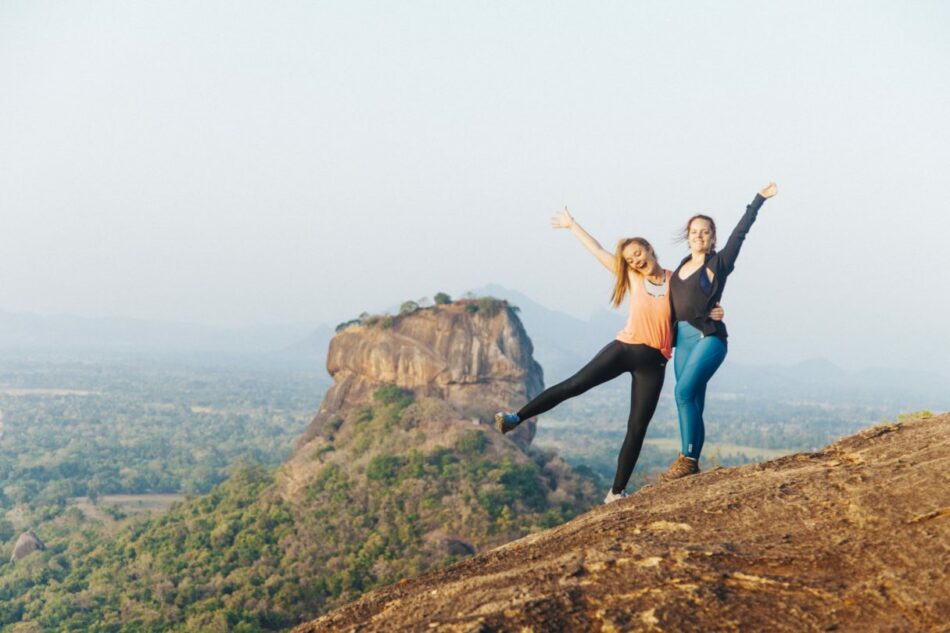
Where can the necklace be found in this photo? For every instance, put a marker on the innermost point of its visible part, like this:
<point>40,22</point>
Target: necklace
<point>654,289</point>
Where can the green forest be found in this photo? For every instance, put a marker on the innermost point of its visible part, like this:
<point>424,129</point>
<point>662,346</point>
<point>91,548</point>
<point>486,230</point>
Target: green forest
<point>252,556</point>
<point>74,429</point>
<point>245,550</point>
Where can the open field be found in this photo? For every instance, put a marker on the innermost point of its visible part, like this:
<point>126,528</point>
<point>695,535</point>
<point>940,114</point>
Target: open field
<point>135,503</point>
<point>46,392</point>
<point>109,509</point>
<point>71,430</point>
<point>721,448</point>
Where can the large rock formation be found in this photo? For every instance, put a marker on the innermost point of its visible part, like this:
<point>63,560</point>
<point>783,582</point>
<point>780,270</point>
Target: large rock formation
<point>855,537</point>
<point>405,480</point>
<point>474,355</point>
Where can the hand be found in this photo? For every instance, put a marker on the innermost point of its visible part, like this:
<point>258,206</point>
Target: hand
<point>769,190</point>
<point>563,220</point>
<point>717,313</point>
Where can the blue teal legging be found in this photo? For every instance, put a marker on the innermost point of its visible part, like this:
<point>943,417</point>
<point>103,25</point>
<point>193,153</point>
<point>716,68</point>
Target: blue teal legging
<point>696,360</point>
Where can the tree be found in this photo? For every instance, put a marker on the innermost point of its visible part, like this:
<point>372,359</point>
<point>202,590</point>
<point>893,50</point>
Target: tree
<point>442,299</point>
<point>471,442</point>
<point>7,531</point>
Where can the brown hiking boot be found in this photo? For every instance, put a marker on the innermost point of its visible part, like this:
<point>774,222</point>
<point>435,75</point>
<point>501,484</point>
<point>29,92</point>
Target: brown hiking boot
<point>682,467</point>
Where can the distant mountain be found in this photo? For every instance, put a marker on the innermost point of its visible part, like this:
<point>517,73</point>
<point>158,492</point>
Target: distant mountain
<point>32,333</point>
<point>315,344</point>
<point>820,379</point>
<point>563,344</point>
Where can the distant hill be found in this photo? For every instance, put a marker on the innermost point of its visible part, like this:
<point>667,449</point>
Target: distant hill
<point>852,538</point>
<point>561,343</point>
<point>564,344</point>
<point>315,344</point>
<point>26,333</point>
<point>819,379</point>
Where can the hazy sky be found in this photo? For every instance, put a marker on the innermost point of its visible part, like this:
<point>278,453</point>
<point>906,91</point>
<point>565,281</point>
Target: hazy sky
<point>236,163</point>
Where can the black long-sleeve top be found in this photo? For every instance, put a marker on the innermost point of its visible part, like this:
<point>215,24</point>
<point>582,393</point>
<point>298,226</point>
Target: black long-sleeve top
<point>692,298</point>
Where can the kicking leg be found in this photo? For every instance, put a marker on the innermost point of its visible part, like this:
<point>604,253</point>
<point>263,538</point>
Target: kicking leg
<point>606,365</point>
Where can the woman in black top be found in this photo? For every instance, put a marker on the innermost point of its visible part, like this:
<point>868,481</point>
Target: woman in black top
<point>696,286</point>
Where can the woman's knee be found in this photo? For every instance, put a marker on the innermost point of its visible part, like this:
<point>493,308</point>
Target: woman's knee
<point>684,393</point>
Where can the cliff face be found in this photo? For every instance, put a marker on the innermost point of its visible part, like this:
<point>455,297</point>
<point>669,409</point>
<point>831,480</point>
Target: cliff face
<point>854,537</point>
<point>478,362</point>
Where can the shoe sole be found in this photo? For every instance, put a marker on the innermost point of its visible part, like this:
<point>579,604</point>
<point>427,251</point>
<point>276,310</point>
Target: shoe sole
<point>668,477</point>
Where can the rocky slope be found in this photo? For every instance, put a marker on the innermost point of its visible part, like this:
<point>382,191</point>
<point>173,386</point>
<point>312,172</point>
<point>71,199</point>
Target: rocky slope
<point>854,537</point>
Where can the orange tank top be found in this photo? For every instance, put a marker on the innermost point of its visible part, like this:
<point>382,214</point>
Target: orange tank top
<point>648,322</point>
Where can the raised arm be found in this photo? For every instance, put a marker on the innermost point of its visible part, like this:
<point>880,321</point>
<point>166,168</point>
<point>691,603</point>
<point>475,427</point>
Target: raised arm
<point>730,252</point>
<point>564,220</point>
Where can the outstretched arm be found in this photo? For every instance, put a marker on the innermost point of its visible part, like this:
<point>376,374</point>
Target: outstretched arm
<point>730,252</point>
<point>564,220</point>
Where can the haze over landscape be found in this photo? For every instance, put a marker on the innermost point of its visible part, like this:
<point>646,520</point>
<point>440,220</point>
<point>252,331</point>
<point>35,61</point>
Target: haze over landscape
<point>247,165</point>
<point>269,270</point>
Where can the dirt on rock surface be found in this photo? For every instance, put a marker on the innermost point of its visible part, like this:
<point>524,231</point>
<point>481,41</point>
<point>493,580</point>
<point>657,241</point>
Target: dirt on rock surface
<point>855,537</point>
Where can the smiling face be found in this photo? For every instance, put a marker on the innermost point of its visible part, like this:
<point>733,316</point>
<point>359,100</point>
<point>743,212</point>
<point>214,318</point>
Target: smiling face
<point>701,235</point>
<point>632,254</point>
<point>640,258</point>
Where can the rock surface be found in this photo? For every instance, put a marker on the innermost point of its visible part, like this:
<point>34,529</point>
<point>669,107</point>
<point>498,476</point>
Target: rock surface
<point>28,543</point>
<point>479,362</point>
<point>854,537</point>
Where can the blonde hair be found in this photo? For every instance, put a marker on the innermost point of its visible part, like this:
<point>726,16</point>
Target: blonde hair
<point>622,283</point>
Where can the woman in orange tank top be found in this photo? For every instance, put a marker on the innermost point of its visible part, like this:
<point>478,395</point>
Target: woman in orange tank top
<point>642,348</point>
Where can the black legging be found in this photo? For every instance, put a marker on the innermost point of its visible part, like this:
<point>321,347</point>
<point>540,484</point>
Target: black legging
<point>648,368</point>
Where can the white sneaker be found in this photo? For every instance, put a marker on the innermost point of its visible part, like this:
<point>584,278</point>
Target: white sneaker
<point>611,497</point>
